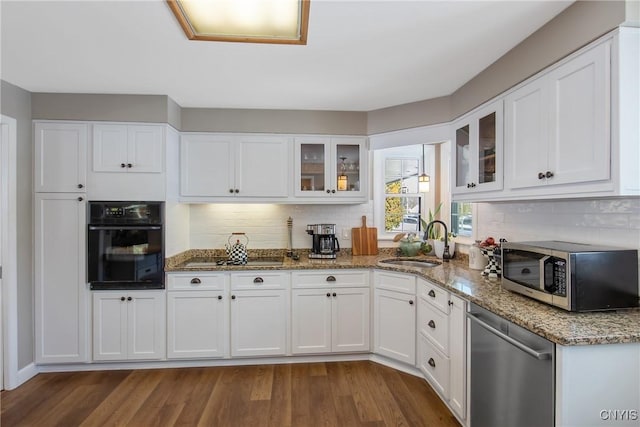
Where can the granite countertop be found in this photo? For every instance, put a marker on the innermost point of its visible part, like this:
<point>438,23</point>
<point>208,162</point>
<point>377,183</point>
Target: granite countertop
<point>559,326</point>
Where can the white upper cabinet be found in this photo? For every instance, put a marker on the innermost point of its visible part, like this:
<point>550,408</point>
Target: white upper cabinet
<point>527,123</point>
<point>127,148</point>
<point>206,165</point>
<point>262,166</point>
<point>558,126</point>
<point>234,166</point>
<point>570,131</point>
<point>331,167</point>
<point>60,157</point>
<point>127,162</point>
<point>477,150</point>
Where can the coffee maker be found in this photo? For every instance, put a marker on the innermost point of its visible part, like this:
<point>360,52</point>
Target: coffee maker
<point>325,243</point>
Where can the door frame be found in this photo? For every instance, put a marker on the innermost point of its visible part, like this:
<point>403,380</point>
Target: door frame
<point>8,285</point>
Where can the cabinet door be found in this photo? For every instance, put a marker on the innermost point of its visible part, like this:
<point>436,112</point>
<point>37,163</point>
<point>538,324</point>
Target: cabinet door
<point>457,356</point>
<point>395,325</point>
<point>463,149</point>
<point>197,324</point>
<point>146,325</point>
<point>145,148</point>
<point>109,326</point>
<point>349,167</point>
<point>60,157</point>
<point>259,323</point>
<point>526,134</point>
<point>350,320</point>
<point>206,165</point>
<point>110,148</point>
<point>311,321</point>
<point>60,282</point>
<point>489,149</point>
<point>477,150</point>
<point>262,168</point>
<point>312,167</point>
<point>580,137</point>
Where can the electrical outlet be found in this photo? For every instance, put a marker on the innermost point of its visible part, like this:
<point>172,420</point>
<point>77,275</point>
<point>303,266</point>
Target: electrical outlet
<point>346,233</point>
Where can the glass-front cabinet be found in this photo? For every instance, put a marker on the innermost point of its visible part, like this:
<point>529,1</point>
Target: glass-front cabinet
<point>477,150</point>
<point>331,167</point>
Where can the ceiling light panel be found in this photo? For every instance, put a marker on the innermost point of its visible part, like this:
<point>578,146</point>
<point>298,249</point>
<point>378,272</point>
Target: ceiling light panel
<point>253,21</point>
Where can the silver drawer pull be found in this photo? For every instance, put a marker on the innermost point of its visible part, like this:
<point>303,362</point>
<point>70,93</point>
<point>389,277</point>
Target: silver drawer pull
<point>331,279</point>
<point>432,324</point>
<point>432,362</point>
<point>195,281</point>
<point>258,280</point>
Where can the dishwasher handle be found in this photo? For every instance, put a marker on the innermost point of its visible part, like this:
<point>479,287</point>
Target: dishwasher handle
<point>538,355</point>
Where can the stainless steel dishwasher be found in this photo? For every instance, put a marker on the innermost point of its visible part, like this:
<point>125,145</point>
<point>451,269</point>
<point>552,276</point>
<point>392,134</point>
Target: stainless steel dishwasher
<point>512,374</point>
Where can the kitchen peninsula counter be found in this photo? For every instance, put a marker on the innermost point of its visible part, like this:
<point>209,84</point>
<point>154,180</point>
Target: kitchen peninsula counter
<point>559,326</point>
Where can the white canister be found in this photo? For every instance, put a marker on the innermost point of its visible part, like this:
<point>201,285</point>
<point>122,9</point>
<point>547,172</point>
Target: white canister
<point>476,260</point>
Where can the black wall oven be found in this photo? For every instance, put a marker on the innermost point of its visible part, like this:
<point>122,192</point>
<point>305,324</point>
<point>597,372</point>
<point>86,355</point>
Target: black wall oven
<point>125,245</point>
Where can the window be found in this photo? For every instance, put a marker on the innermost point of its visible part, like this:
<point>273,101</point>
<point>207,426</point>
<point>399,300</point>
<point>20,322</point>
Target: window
<point>402,202</point>
<point>462,219</point>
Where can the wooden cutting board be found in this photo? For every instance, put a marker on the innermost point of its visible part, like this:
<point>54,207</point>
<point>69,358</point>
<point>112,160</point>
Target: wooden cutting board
<point>364,240</point>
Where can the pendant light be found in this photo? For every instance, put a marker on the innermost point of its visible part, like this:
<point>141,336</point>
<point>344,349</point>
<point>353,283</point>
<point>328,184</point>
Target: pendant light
<point>423,179</point>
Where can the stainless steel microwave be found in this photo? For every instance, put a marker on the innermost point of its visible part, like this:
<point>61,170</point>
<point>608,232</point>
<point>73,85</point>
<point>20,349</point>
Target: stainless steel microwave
<point>572,276</point>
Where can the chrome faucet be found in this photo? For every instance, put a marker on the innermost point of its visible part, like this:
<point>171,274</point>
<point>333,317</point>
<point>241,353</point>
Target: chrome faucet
<point>446,256</point>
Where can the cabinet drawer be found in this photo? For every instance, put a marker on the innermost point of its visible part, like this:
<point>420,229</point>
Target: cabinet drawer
<point>259,280</point>
<point>395,282</point>
<point>196,281</point>
<point>434,365</point>
<point>330,278</point>
<point>434,295</point>
<point>434,324</point>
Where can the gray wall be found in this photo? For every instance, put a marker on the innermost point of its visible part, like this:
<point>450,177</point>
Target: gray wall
<point>162,109</point>
<point>107,107</point>
<point>576,26</point>
<point>276,121</point>
<point>16,103</point>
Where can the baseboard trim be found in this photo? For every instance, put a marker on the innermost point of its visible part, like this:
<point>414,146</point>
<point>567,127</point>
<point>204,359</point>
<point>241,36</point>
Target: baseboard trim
<point>104,366</point>
<point>23,375</point>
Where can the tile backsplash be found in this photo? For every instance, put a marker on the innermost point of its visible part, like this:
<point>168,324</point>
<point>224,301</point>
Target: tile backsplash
<point>266,224</point>
<point>614,222</point>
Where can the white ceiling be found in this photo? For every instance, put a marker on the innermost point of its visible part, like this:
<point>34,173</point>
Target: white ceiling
<point>361,55</point>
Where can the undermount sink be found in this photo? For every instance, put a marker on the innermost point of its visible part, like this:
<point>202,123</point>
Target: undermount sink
<point>220,262</point>
<point>406,262</point>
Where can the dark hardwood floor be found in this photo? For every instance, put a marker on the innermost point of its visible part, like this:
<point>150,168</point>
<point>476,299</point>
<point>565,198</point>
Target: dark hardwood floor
<point>307,394</point>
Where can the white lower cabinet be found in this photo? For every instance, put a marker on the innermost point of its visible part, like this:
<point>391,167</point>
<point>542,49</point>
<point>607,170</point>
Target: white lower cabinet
<point>458,356</point>
<point>128,325</point>
<point>327,317</point>
<point>60,291</point>
<point>259,314</point>
<point>442,344</point>
<point>196,324</point>
<point>434,365</point>
<point>197,315</point>
<point>394,327</point>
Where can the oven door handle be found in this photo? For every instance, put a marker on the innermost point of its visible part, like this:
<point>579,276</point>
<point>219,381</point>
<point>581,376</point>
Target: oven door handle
<point>124,227</point>
<point>531,352</point>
